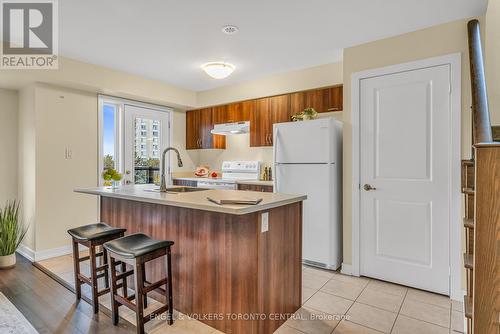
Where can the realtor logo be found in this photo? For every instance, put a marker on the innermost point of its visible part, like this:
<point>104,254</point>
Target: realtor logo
<point>29,34</point>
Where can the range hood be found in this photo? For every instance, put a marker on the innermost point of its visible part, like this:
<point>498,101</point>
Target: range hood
<point>231,128</point>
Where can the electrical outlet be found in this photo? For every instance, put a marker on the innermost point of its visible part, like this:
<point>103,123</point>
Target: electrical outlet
<point>264,225</point>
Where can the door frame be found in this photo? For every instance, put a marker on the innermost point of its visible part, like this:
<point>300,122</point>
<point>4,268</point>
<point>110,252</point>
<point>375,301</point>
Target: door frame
<point>120,131</point>
<point>454,61</point>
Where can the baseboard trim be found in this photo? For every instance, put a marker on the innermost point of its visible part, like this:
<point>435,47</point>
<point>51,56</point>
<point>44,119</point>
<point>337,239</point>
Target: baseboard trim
<point>26,252</point>
<point>54,252</point>
<point>46,254</point>
<point>346,269</point>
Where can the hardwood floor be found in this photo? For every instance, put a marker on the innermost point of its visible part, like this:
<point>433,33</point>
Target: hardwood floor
<point>50,307</point>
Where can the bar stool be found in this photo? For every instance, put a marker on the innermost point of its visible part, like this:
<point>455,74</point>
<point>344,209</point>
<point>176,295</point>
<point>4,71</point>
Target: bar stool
<point>93,236</point>
<point>136,250</point>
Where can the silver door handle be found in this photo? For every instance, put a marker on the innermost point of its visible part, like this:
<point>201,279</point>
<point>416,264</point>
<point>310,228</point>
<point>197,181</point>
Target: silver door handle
<point>368,187</point>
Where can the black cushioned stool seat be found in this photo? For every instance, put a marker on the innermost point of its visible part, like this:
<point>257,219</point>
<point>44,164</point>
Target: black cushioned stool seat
<point>135,245</point>
<point>136,250</point>
<point>94,231</point>
<point>93,236</point>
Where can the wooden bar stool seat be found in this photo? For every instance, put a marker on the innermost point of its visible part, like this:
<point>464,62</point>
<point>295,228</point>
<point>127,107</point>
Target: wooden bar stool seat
<point>93,236</point>
<point>136,250</point>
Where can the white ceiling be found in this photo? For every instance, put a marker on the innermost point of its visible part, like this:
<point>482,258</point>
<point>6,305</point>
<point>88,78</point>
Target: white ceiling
<point>168,40</point>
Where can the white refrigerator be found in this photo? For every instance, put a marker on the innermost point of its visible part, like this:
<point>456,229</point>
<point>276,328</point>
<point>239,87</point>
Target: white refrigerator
<point>308,160</point>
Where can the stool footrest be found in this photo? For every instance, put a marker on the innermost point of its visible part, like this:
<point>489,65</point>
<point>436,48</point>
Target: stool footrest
<point>86,258</point>
<point>84,279</point>
<point>124,275</point>
<point>125,302</point>
<point>103,292</point>
<point>156,285</point>
<point>101,268</point>
<point>153,314</point>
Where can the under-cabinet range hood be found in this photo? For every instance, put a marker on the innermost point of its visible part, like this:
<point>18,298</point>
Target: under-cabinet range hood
<point>231,128</point>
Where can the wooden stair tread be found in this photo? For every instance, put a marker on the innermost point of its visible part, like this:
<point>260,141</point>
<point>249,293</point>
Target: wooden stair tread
<point>468,191</point>
<point>469,223</point>
<point>468,261</point>
<point>469,163</point>
<point>468,306</point>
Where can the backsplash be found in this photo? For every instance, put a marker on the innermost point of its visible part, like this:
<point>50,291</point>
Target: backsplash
<point>237,148</point>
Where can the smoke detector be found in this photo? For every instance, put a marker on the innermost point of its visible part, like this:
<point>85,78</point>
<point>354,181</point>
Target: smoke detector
<point>230,29</point>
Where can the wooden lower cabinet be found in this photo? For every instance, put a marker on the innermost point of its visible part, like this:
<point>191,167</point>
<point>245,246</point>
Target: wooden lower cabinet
<point>224,269</point>
<point>255,187</point>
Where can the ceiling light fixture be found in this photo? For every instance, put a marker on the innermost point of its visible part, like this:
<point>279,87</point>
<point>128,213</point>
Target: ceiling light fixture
<point>218,70</point>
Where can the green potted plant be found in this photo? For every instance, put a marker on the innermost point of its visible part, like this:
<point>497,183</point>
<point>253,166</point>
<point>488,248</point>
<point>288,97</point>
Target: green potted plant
<point>111,178</point>
<point>12,232</point>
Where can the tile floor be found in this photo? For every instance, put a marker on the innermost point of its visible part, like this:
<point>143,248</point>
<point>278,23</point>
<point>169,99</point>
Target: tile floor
<point>331,303</point>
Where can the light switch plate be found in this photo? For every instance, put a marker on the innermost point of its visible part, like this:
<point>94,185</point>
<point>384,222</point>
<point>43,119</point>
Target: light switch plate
<point>264,225</point>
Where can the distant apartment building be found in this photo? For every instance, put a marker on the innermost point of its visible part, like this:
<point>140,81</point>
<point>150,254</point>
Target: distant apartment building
<point>147,138</point>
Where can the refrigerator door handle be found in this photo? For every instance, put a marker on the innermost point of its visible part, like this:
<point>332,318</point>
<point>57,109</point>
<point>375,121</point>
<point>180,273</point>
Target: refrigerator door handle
<point>275,151</point>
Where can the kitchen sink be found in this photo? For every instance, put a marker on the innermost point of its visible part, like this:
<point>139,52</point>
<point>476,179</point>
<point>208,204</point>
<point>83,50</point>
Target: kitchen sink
<point>184,189</point>
<point>177,190</point>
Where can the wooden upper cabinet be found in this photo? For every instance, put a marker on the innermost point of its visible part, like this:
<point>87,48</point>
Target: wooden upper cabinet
<point>260,123</point>
<point>240,111</point>
<point>267,111</point>
<point>322,100</point>
<point>218,117</point>
<point>199,123</point>
<point>262,114</point>
<point>193,130</point>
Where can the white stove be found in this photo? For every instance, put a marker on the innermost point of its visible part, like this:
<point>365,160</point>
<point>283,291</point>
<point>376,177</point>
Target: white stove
<point>233,171</point>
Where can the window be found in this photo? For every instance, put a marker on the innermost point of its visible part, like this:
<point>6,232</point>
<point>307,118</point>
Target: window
<point>131,137</point>
<point>109,136</point>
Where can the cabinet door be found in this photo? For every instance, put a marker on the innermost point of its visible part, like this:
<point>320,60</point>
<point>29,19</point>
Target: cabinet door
<point>317,99</point>
<point>192,129</point>
<point>335,98</point>
<point>280,112</point>
<point>219,116</point>
<point>261,123</point>
<point>240,111</point>
<point>206,125</point>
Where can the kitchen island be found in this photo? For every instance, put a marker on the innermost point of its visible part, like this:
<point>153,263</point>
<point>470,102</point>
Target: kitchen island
<point>236,268</point>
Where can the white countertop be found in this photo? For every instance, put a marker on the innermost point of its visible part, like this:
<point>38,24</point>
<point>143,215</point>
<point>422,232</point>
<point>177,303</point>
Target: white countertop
<point>198,199</point>
<point>256,182</point>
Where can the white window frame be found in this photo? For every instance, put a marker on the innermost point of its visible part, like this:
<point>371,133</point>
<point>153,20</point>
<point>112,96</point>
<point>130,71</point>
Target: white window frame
<point>119,129</point>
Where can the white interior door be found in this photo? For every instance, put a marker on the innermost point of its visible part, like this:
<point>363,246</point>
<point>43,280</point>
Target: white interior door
<point>405,157</point>
<point>146,136</point>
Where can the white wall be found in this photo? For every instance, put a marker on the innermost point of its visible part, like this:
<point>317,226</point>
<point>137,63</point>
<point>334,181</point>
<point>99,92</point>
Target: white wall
<point>26,184</point>
<point>8,145</point>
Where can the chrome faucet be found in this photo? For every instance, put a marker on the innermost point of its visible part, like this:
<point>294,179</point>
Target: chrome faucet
<point>163,184</point>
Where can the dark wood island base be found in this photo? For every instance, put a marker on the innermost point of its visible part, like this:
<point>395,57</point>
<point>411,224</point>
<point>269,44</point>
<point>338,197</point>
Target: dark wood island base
<point>227,273</point>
